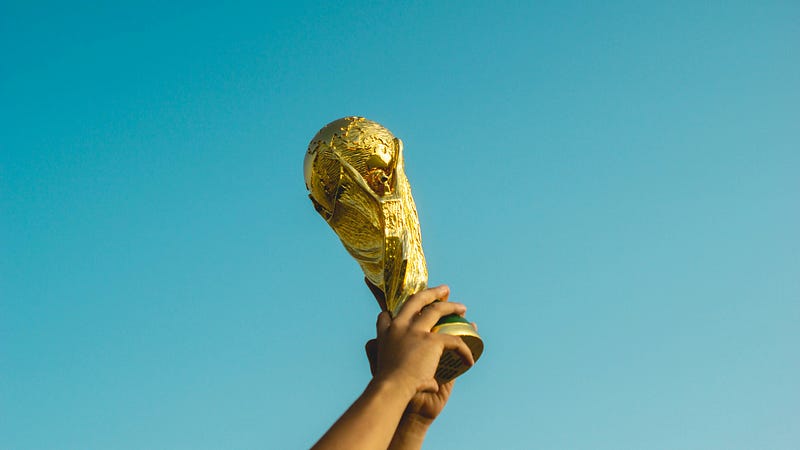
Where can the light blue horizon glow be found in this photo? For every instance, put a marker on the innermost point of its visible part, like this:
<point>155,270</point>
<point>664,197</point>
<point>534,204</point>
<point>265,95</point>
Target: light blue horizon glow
<point>611,188</point>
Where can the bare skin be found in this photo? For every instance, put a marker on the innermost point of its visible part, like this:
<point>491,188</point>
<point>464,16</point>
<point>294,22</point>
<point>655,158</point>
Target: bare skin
<point>420,413</point>
<point>406,360</point>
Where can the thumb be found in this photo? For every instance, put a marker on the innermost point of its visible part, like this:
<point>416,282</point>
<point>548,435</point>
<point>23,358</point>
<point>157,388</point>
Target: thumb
<point>384,321</point>
<point>372,354</point>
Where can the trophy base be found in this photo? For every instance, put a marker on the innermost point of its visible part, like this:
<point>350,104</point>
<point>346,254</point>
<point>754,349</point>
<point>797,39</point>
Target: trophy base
<point>451,365</point>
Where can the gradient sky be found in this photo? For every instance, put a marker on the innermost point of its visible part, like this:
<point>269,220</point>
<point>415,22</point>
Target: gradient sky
<point>611,187</point>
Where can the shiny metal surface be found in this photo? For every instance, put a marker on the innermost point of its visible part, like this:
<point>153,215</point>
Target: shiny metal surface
<point>354,172</point>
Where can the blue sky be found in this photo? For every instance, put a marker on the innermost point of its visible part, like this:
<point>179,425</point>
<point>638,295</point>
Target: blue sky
<point>611,187</point>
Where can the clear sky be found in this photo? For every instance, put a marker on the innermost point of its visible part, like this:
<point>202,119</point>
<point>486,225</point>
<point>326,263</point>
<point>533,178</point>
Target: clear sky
<point>611,187</point>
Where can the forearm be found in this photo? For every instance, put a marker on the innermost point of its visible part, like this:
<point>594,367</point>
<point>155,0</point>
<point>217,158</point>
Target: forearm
<point>371,421</point>
<point>410,433</point>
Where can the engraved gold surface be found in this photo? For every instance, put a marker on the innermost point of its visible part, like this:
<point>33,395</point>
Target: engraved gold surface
<point>354,172</point>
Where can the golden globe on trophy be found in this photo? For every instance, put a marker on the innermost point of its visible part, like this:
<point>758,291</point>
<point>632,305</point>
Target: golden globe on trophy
<point>354,174</point>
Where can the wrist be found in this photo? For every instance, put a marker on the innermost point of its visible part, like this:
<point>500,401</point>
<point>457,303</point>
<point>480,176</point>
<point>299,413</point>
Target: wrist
<point>394,386</point>
<point>410,432</point>
<point>414,422</point>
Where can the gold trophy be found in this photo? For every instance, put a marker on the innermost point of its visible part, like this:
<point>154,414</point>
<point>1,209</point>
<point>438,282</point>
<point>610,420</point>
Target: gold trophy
<point>354,172</point>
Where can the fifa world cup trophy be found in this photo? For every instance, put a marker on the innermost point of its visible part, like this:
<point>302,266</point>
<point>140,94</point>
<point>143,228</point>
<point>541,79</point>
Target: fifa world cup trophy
<point>354,174</point>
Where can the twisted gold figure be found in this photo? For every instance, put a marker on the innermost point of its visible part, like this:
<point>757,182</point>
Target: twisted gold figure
<point>354,173</point>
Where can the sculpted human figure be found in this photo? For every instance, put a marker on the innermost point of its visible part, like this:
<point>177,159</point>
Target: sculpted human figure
<point>355,176</point>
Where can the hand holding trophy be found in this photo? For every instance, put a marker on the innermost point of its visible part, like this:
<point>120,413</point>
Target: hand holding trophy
<point>354,172</point>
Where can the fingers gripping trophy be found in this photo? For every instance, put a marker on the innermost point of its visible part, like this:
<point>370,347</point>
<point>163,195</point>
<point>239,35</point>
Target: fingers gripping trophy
<point>354,172</point>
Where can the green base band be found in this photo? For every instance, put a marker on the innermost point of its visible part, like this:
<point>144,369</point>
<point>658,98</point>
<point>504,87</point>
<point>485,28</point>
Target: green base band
<point>451,365</point>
